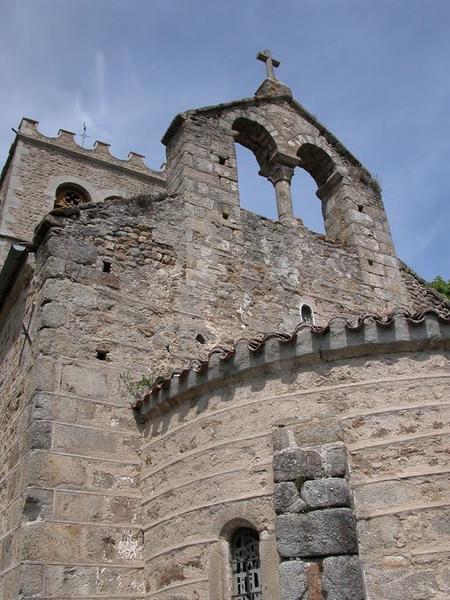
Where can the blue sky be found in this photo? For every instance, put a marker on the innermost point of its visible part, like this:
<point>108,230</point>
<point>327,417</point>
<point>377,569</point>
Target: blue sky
<point>375,72</point>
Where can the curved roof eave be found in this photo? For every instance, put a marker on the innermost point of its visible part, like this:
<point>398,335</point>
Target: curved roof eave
<point>370,334</point>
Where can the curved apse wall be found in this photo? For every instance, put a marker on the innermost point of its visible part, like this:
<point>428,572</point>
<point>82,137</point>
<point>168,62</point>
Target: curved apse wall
<point>381,387</point>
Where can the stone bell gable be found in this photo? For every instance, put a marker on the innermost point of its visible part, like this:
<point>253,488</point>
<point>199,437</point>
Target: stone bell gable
<point>201,166</point>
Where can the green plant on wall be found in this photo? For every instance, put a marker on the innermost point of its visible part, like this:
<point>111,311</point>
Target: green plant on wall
<point>441,285</point>
<point>137,387</point>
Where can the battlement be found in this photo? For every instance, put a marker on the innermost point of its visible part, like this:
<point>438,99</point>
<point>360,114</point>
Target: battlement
<point>66,140</point>
<point>41,170</point>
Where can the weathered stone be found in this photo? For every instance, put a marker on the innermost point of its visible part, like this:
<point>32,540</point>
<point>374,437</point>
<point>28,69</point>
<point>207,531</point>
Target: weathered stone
<point>419,585</point>
<point>284,495</point>
<point>53,314</point>
<point>293,580</point>
<point>37,505</point>
<point>342,578</point>
<point>335,461</point>
<point>321,493</point>
<point>298,506</point>
<point>295,463</point>
<point>33,578</point>
<point>40,434</point>
<point>71,249</point>
<point>317,533</point>
<point>283,438</point>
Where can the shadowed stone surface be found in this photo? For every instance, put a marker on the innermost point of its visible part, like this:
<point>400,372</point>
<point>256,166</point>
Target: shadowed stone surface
<point>285,494</point>
<point>317,533</point>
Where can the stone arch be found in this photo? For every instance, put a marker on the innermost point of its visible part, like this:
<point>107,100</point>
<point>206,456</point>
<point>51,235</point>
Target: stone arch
<point>316,159</point>
<point>69,195</point>
<point>228,529</point>
<point>232,520</point>
<point>317,169</point>
<point>56,182</point>
<point>275,165</point>
<point>317,162</point>
<point>255,137</point>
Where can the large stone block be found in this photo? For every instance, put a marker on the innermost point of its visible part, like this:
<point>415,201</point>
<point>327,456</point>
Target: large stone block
<point>53,315</point>
<point>317,533</point>
<point>293,579</point>
<point>95,442</point>
<point>342,578</point>
<point>49,469</point>
<point>284,495</point>
<point>63,581</point>
<point>329,492</point>
<point>295,463</point>
<point>71,249</point>
<point>37,505</point>
<point>85,507</point>
<point>40,435</point>
<point>32,580</point>
<point>335,461</point>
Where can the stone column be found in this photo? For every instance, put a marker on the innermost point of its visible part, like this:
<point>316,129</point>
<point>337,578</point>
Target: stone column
<point>281,175</point>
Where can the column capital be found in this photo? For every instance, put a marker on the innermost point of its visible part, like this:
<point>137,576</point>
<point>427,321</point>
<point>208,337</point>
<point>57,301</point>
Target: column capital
<point>279,172</point>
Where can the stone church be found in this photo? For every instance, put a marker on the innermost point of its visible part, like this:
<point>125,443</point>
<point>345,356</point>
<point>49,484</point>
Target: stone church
<point>201,403</point>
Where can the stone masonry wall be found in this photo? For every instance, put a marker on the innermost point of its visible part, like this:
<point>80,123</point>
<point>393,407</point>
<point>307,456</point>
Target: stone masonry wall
<point>38,165</point>
<point>18,433</point>
<point>178,286</point>
<point>201,167</point>
<point>208,463</point>
<point>315,523</point>
<point>80,532</point>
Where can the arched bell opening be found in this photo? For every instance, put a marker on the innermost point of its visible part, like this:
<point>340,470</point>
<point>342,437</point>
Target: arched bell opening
<point>255,192</point>
<point>256,138</point>
<point>254,149</point>
<point>318,167</point>
<point>306,205</point>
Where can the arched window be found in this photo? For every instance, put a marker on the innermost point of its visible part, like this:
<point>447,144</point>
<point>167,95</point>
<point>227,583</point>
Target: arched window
<point>69,195</point>
<point>255,192</point>
<point>317,162</point>
<point>246,565</point>
<point>322,168</point>
<point>306,204</point>
<point>254,147</point>
<point>306,314</point>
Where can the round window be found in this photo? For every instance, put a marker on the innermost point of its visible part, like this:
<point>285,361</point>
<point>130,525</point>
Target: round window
<point>70,196</point>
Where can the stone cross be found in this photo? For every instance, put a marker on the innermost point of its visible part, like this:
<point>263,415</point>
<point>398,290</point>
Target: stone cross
<point>266,57</point>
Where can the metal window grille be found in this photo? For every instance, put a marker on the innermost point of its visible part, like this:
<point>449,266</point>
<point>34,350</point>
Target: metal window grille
<point>246,565</point>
